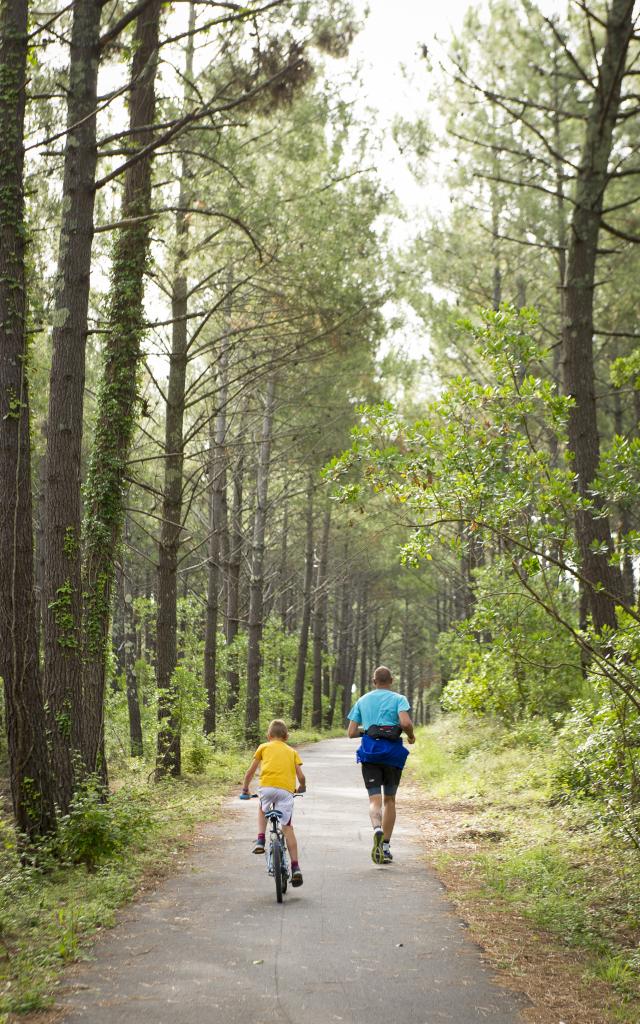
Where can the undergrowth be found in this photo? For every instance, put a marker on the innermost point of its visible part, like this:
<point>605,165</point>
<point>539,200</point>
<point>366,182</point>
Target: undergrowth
<point>555,864</point>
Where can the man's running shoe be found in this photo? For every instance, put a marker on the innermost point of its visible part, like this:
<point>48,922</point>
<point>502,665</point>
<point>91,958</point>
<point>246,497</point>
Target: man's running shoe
<point>259,846</point>
<point>377,855</point>
<point>296,877</point>
<point>387,856</point>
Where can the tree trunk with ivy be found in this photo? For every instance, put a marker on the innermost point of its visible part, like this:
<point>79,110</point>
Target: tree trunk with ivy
<point>118,392</point>
<point>256,586</point>
<point>592,526</point>
<point>30,775</point>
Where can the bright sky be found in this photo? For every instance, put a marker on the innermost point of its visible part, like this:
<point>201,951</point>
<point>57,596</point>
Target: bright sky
<point>395,83</point>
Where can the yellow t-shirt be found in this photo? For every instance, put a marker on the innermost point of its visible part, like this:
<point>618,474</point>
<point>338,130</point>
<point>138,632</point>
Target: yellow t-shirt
<point>279,762</point>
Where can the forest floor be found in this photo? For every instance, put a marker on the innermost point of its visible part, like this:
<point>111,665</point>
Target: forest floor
<point>546,892</point>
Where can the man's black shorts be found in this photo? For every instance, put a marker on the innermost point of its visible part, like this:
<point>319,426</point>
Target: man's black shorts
<point>378,775</point>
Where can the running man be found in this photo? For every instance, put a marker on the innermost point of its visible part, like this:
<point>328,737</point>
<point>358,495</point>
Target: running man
<point>383,716</point>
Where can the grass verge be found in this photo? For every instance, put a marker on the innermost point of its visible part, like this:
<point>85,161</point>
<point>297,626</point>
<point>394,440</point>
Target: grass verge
<point>505,846</point>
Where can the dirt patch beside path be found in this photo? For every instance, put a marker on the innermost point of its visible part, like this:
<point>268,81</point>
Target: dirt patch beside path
<point>528,959</point>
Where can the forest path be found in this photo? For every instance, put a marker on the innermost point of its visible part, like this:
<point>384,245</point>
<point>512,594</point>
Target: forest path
<point>357,943</point>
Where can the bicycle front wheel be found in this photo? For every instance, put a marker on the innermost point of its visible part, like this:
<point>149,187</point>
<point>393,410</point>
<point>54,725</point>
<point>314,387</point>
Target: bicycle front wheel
<point>276,854</point>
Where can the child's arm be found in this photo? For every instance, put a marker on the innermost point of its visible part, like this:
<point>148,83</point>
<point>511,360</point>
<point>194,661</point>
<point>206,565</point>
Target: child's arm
<point>251,772</point>
<point>302,782</point>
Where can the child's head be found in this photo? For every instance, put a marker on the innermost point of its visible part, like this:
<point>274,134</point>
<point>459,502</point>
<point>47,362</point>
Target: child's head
<point>277,730</point>
<point>382,676</point>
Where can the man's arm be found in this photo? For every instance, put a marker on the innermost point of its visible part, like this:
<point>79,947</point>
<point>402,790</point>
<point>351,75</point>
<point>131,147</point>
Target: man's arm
<point>407,725</point>
<point>302,782</point>
<point>251,772</point>
<point>354,729</point>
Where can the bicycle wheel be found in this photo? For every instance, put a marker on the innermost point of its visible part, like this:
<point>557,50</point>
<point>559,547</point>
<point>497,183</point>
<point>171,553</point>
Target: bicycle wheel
<point>283,868</point>
<point>276,853</point>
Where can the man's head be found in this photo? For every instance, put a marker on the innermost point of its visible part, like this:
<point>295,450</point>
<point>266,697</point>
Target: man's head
<point>382,677</point>
<point>277,730</point>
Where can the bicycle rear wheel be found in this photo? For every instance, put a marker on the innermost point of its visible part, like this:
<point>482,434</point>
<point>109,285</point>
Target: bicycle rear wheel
<point>276,854</point>
<point>283,869</point>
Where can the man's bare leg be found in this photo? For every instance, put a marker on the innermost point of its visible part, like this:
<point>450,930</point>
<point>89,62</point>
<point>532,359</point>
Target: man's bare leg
<point>388,816</point>
<point>375,809</point>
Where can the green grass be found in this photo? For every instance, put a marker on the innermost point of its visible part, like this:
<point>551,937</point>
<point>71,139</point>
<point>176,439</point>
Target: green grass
<point>556,866</point>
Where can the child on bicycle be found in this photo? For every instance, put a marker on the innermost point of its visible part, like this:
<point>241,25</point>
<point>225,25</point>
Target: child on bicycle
<point>280,769</point>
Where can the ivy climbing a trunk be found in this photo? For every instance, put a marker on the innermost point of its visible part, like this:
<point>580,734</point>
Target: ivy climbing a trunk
<point>118,391</point>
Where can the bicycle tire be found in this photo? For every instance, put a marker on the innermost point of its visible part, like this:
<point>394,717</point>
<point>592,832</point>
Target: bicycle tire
<point>285,874</point>
<point>276,853</point>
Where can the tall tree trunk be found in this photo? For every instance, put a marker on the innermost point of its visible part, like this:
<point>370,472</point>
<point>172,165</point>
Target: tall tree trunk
<point>62,502</point>
<point>303,644</point>
<point>319,621</point>
<point>118,394</point>
<point>592,527</point>
<point>129,665</point>
<point>218,549</point>
<point>168,757</point>
<point>32,783</point>
<point>211,621</point>
<point>235,565</point>
<point>256,589</point>
<point>364,643</point>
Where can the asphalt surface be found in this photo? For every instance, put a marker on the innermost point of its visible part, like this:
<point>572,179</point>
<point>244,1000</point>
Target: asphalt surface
<point>356,943</point>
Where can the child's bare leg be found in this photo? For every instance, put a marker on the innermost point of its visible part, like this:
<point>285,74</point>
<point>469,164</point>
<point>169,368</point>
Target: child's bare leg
<point>262,821</point>
<point>292,842</point>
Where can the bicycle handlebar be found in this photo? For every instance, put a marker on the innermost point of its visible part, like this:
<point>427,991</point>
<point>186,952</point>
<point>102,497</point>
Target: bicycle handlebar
<point>254,796</point>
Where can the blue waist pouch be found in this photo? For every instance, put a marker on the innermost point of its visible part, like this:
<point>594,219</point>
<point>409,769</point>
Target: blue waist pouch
<point>379,751</point>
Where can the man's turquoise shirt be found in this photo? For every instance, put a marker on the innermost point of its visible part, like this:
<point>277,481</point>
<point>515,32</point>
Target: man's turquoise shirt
<point>379,707</point>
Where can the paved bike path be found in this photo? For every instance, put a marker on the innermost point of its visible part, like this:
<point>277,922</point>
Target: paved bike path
<point>357,943</point>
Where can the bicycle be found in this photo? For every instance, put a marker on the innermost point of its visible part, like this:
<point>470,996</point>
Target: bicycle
<point>275,852</point>
<point>275,849</point>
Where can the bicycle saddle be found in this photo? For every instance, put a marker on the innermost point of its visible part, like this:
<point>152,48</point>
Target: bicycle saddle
<point>273,814</point>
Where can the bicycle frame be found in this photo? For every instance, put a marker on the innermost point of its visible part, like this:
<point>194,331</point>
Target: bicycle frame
<point>276,852</point>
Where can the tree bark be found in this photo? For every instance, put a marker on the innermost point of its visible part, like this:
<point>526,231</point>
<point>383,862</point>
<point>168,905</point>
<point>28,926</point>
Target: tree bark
<point>592,526</point>
<point>32,784</point>
<point>218,552</point>
<point>129,666</point>
<point>320,621</point>
<point>118,394</point>
<point>256,589</point>
<point>303,644</point>
<point>168,757</point>
<point>235,567</point>
<point>62,502</point>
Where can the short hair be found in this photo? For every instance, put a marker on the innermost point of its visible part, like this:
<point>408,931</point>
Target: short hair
<point>382,675</point>
<point>277,729</point>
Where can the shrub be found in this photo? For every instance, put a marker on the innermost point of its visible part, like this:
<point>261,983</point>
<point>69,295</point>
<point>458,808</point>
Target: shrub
<point>96,829</point>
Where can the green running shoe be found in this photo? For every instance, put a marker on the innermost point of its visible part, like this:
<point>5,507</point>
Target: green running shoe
<point>377,855</point>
